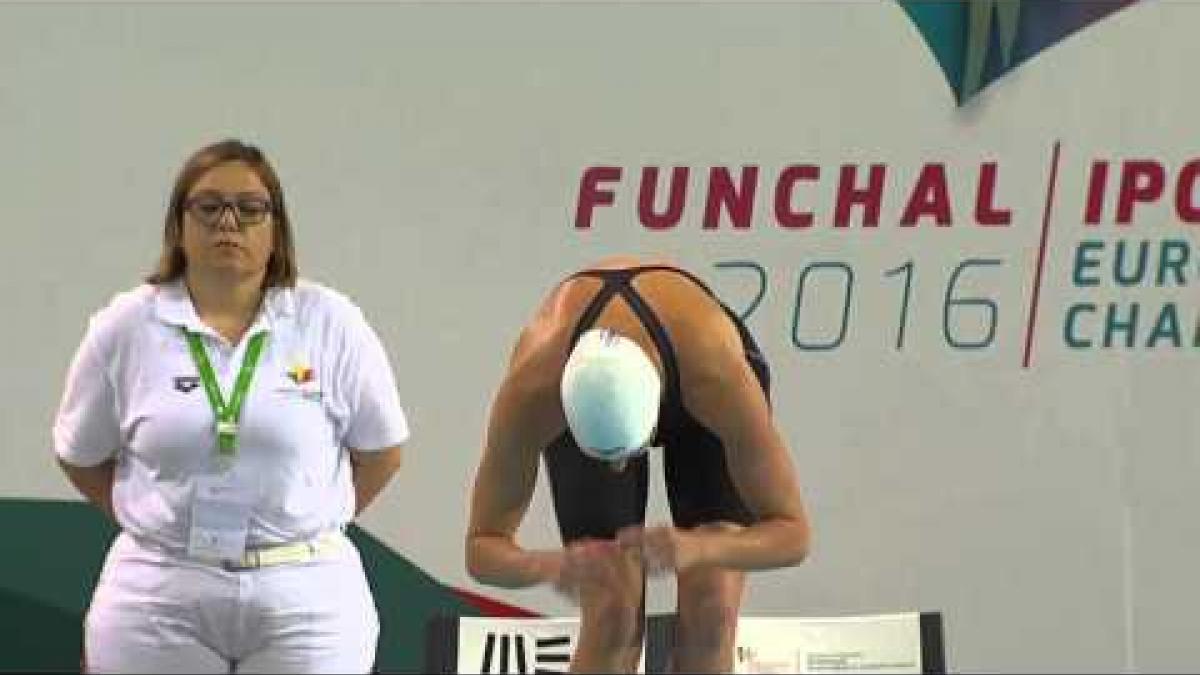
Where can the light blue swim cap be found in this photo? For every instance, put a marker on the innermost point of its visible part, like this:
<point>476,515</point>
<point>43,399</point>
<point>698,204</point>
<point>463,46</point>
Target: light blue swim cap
<point>610,394</point>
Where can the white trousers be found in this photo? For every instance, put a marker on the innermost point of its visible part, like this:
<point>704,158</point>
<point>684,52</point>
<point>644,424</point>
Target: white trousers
<point>153,612</point>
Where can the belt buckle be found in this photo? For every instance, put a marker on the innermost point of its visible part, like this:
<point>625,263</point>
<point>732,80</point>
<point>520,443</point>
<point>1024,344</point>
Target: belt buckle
<point>249,561</point>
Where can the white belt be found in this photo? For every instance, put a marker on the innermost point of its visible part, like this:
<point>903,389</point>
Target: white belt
<point>284,554</point>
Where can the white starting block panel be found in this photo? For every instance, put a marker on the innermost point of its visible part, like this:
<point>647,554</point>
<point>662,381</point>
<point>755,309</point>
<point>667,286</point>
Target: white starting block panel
<point>909,642</point>
<point>886,643</point>
<point>488,645</point>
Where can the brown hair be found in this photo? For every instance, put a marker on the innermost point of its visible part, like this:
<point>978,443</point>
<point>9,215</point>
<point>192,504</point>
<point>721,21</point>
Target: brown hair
<point>281,266</point>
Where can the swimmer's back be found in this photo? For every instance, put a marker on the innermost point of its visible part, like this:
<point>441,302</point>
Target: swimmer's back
<point>693,318</point>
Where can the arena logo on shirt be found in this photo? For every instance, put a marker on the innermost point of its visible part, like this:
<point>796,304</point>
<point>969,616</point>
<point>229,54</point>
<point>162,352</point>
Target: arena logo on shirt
<point>184,384</point>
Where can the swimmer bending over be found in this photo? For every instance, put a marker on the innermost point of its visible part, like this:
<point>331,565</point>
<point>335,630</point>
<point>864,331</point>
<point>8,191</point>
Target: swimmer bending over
<point>620,358</point>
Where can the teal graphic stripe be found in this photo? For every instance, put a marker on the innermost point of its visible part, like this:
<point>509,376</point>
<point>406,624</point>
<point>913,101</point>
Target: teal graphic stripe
<point>979,41</point>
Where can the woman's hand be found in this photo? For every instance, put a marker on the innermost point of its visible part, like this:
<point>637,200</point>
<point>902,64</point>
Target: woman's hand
<point>596,569</point>
<point>663,548</point>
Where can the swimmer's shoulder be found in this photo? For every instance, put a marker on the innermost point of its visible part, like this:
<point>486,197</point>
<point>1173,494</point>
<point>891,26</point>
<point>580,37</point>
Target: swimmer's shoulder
<point>538,358</point>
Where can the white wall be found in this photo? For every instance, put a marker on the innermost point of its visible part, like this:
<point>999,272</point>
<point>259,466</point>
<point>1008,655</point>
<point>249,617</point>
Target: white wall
<point>431,155</point>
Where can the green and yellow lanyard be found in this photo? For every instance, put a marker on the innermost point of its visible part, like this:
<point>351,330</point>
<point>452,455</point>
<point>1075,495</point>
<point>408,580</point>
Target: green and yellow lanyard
<point>227,414</point>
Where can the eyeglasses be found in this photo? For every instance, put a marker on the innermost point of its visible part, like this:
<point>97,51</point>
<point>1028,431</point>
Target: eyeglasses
<point>209,207</point>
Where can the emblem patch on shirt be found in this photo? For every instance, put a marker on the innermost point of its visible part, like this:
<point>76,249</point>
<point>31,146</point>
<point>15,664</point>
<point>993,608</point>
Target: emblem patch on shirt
<point>300,374</point>
<point>304,379</point>
<point>184,384</point>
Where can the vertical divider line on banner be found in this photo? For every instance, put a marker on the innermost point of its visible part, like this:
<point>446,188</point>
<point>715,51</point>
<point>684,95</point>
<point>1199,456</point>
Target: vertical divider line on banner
<point>1052,183</point>
<point>933,644</point>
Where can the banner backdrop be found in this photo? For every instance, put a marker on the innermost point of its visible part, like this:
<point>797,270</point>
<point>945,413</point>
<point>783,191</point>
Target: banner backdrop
<point>965,235</point>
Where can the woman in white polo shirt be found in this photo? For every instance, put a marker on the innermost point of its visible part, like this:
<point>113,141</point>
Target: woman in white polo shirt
<point>232,420</point>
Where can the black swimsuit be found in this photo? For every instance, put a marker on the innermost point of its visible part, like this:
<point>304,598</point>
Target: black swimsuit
<point>593,501</point>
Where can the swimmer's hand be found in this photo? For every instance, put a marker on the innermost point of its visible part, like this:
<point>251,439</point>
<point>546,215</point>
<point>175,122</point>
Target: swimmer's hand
<point>664,549</point>
<point>594,569</point>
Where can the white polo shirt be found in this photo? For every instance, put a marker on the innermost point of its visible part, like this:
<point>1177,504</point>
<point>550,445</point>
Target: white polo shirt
<point>323,384</point>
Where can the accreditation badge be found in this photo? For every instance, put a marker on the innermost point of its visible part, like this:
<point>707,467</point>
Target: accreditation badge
<point>221,508</point>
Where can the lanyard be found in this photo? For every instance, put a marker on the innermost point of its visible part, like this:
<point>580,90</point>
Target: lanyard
<point>227,414</point>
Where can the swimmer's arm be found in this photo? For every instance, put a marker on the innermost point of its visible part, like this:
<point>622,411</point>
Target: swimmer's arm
<point>371,472</point>
<point>730,402</point>
<point>504,485</point>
